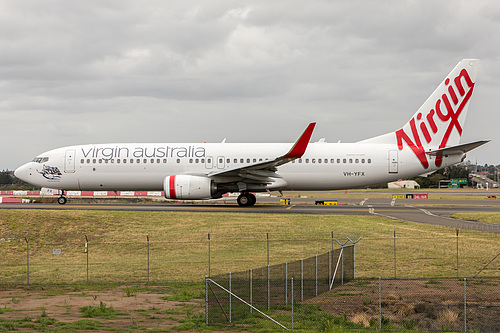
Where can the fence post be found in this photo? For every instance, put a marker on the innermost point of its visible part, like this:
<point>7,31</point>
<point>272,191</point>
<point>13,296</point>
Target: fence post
<point>87,251</point>
<point>147,236</point>
<point>457,252</point>
<point>301,280</point>
<point>208,254</point>
<point>267,237</point>
<point>206,300</point>
<point>286,283</point>
<point>316,276</point>
<point>251,291</point>
<point>332,241</point>
<point>230,297</point>
<point>27,259</point>
<point>379,303</point>
<point>395,253</point>
<point>268,290</point>
<point>292,304</point>
<point>329,266</point>
<point>465,305</point>
<point>354,255</point>
<point>342,263</point>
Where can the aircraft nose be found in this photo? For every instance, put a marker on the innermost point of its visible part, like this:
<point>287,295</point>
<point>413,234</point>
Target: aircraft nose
<point>21,172</point>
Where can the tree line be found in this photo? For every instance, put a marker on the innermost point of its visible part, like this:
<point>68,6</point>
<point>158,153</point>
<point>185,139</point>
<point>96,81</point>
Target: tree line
<point>9,182</point>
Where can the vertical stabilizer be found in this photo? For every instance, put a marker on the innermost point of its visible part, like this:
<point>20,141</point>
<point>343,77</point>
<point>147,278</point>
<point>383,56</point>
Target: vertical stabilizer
<point>439,122</point>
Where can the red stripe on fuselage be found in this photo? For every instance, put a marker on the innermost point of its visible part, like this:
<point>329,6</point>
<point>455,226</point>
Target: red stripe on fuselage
<point>171,186</point>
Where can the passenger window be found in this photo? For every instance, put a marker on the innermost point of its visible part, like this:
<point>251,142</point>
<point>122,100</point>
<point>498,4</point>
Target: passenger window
<point>319,160</point>
<point>190,160</point>
<point>124,160</point>
<point>118,160</point>
<point>112,160</point>
<point>300,160</point>
<point>158,161</point>
<point>369,160</point>
<point>248,160</point>
<point>138,160</point>
<point>307,160</point>
<point>94,161</point>
<point>344,161</point>
<point>313,160</point>
<point>350,160</point>
<point>197,160</point>
<point>164,160</point>
<point>178,160</point>
<point>152,160</point>
<point>254,160</point>
<point>362,160</point>
<point>357,160</point>
<point>145,161</point>
<point>82,161</point>
<point>131,161</point>
<point>228,160</point>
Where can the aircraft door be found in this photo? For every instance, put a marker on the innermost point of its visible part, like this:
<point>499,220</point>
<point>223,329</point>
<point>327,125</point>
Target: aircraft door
<point>220,162</point>
<point>209,162</point>
<point>393,161</point>
<point>69,161</point>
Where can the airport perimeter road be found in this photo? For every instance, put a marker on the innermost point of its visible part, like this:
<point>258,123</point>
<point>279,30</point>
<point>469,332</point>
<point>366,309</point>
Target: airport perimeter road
<point>434,211</point>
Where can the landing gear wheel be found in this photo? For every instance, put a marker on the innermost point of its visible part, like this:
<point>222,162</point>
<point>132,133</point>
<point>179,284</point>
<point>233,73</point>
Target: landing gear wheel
<point>253,199</point>
<point>246,199</point>
<point>61,200</point>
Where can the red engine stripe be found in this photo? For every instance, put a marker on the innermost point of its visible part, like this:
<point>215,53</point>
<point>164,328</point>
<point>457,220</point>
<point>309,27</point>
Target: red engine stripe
<point>171,186</point>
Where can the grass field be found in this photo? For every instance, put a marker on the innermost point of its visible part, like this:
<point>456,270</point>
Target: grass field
<point>178,245</point>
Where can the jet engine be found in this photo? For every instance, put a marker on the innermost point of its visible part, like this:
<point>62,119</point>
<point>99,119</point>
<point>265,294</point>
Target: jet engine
<point>189,187</point>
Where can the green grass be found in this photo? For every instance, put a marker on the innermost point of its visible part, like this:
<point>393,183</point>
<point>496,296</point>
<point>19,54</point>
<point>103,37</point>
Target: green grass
<point>178,248</point>
<point>101,311</point>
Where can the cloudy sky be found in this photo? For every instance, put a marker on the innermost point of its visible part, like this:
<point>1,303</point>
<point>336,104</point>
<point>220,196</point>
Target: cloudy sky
<point>75,72</point>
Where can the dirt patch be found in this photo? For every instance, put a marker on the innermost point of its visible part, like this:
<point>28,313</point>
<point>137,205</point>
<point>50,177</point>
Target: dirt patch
<point>130,308</point>
<point>426,304</point>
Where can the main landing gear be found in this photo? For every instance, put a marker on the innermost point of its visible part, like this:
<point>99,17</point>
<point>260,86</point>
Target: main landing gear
<point>62,199</point>
<point>246,199</point>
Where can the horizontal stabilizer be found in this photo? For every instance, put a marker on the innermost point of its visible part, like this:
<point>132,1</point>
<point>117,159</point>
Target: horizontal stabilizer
<point>459,149</point>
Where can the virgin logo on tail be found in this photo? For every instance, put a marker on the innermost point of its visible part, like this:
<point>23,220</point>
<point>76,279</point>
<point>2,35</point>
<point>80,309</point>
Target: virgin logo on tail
<point>440,120</point>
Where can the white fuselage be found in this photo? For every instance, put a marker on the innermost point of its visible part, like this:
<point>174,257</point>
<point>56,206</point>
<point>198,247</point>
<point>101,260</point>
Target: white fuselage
<point>324,166</point>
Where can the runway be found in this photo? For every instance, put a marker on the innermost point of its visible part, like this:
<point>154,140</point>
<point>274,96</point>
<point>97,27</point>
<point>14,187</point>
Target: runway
<point>429,211</point>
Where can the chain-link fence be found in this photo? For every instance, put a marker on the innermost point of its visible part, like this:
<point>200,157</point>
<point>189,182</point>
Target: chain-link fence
<point>437,304</point>
<point>55,257</point>
<point>237,296</point>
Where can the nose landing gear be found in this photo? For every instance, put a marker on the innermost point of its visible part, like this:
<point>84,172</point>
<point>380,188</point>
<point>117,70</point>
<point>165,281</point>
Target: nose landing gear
<point>62,199</point>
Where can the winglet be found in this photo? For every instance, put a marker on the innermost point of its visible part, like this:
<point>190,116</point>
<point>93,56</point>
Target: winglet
<point>299,148</point>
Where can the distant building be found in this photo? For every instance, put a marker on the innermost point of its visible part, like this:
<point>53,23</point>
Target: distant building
<point>410,184</point>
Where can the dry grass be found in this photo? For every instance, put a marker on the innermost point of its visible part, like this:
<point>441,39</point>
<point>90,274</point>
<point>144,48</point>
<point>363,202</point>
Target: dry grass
<point>178,245</point>
<point>447,316</point>
<point>404,309</point>
<point>362,319</point>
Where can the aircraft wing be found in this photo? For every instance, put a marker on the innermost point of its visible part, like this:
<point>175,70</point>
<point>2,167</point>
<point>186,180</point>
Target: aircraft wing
<point>263,172</point>
<point>459,149</point>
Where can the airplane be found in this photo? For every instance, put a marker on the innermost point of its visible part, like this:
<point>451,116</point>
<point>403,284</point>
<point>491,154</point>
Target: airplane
<point>429,141</point>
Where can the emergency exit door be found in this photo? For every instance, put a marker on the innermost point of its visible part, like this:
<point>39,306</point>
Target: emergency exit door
<point>69,161</point>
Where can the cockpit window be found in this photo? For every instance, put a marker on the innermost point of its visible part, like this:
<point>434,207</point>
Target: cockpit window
<point>40,159</point>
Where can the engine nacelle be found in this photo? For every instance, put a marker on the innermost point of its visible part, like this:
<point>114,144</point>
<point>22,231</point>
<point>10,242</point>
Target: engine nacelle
<point>189,187</point>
